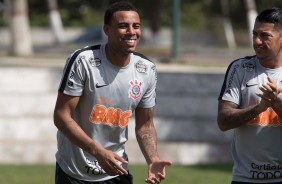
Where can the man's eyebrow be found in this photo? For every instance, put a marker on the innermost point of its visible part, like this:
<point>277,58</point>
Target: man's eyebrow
<point>266,32</point>
<point>125,23</point>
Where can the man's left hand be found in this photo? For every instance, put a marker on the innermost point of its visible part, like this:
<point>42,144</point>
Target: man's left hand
<point>156,171</point>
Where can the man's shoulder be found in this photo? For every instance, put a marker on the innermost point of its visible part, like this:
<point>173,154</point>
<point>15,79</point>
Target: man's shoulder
<point>142,64</point>
<point>87,48</point>
<point>141,58</point>
<point>247,61</point>
<point>83,53</point>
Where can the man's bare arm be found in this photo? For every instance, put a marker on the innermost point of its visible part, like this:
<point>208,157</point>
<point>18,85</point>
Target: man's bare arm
<point>276,105</point>
<point>147,138</point>
<point>229,116</point>
<point>63,120</point>
<point>146,134</point>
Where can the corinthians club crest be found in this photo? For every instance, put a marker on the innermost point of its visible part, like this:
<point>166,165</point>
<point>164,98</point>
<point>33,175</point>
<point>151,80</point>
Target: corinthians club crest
<point>135,90</point>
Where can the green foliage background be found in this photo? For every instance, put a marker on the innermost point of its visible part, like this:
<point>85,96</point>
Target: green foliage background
<point>194,14</point>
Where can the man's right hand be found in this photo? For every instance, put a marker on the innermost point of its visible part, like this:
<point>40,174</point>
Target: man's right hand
<point>110,162</point>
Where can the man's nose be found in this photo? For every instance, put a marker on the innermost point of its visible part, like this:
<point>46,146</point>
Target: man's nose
<point>130,30</point>
<point>257,40</point>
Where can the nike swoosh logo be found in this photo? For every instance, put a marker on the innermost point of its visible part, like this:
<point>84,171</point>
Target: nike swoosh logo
<point>100,86</point>
<point>249,85</point>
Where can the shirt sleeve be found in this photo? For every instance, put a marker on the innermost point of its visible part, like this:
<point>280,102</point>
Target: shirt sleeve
<point>231,88</point>
<point>72,82</point>
<point>149,98</point>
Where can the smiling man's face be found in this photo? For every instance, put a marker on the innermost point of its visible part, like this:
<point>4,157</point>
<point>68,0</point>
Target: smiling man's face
<point>123,31</point>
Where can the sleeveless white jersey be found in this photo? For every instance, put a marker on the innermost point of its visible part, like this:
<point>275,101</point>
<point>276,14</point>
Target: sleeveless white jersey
<point>257,146</point>
<point>108,98</point>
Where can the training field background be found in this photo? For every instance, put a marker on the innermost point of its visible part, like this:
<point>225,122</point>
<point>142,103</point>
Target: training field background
<point>185,116</point>
<point>188,87</point>
<point>44,174</point>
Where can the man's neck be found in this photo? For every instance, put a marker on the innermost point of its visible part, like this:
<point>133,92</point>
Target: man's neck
<point>271,63</point>
<point>116,57</point>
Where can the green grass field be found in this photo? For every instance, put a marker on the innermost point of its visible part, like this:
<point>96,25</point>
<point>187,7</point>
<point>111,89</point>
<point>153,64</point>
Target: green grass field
<point>176,174</point>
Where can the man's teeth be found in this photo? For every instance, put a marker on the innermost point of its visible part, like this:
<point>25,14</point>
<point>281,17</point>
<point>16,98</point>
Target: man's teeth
<point>130,41</point>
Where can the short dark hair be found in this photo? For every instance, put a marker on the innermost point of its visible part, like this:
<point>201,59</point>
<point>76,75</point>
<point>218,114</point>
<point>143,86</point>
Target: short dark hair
<point>272,15</point>
<point>118,6</point>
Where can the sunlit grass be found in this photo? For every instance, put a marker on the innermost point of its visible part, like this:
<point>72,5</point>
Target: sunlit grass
<point>176,174</point>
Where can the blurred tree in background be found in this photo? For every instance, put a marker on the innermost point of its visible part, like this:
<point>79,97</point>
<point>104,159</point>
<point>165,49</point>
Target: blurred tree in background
<point>205,14</point>
<point>194,14</point>
<point>155,14</point>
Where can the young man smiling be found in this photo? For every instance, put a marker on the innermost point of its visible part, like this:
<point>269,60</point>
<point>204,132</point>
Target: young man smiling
<point>101,87</point>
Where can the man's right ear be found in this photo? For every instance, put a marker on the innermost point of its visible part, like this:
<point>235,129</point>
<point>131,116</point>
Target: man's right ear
<point>106,29</point>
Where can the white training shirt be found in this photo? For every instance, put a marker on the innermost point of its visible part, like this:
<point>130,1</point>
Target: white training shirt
<point>257,146</point>
<point>108,98</point>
